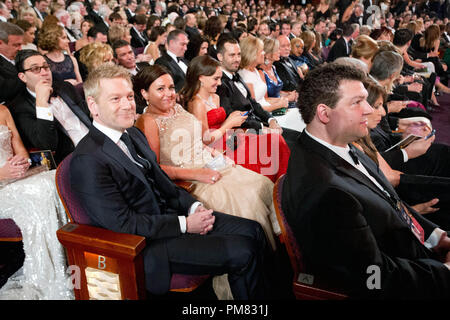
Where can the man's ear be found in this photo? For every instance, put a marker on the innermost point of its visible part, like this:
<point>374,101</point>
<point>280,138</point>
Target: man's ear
<point>323,113</point>
<point>22,77</point>
<point>92,105</point>
<point>219,57</point>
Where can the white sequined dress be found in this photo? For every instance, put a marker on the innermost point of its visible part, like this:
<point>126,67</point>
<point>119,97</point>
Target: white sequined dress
<point>34,205</point>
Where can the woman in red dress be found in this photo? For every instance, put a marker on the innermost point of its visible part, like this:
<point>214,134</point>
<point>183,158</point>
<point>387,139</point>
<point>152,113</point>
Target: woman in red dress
<point>266,153</point>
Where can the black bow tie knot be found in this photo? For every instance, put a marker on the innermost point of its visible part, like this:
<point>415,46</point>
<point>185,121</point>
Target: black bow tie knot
<point>354,156</point>
<point>179,59</point>
<point>236,77</point>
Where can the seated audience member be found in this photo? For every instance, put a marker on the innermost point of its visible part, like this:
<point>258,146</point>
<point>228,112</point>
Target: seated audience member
<point>29,34</point>
<point>335,192</point>
<point>118,32</point>
<point>246,149</point>
<point>422,192</point>
<point>97,35</point>
<point>342,47</point>
<point>213,30</point>
<point>84,40</point>
<point>364,48</point>
<point>11,39</point>
<point>64,67</point>
<point>110,178</point>
<point>197,46</point>
<point>29,197</point>
<point>125,57</point>
<point>383,33</point>
<point>95,54</point>
<point>173,58</point>
<point>308,56</point>
<point>157,39</point>
<point>253,55</point>
<point>28,13</point>
<point>286,69</point>
<point>235,95</point>
<point>137,31</point>
<point>49,115</point>
<point>297,46</point>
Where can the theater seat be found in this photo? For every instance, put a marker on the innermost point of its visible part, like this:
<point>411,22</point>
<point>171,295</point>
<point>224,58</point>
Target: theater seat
<point>105,264</point>
<point>302,284</point>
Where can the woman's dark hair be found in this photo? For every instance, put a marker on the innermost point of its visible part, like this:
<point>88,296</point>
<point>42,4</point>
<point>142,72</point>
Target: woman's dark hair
<point>156,32</point>
<point>151,21</point>
<point>237,32</point>
<point>199,66</point>
<point>213,28</point>
<point>144,79</point>
<point>194,45</point>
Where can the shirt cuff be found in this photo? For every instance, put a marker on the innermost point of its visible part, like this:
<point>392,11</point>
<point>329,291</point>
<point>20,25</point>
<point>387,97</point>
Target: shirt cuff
<point>182,219</point>
<point>434,238</point>
<point>405,155</point>
<point>44,113</point>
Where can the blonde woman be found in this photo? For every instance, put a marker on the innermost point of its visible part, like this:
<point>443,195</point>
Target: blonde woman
<point>95,54</point>
<point>364,48</point>
<point>27,13</point>
<point>253,55</point>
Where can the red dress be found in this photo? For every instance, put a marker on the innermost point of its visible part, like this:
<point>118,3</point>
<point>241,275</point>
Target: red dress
<point>267,154</point>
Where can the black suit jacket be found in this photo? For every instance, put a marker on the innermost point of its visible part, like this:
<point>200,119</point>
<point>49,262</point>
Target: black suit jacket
<point>339,49</point>
<point>288,73</point>
<point>44,134</point>
<point>136,40</point>
<point>10,83</point>
<point>174,69</point>
<point>117,196</point>
<point>344,223</point>
<point>231,99</point>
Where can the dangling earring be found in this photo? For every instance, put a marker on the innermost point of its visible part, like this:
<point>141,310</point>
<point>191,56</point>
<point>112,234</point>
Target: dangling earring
<point>266,61</point>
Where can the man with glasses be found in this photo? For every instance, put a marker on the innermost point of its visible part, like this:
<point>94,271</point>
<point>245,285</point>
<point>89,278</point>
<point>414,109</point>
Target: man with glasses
<point>49,116</point>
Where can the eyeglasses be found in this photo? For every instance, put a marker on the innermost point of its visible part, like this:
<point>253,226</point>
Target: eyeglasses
<point>37,69</point>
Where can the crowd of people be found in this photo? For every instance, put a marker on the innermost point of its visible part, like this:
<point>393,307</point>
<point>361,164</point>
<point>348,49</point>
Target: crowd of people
<point>230,96</point>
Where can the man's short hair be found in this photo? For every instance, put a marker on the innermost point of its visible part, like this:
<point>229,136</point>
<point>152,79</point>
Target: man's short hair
<point>385,64</point>
<point>92,87</point>
<point>322,85</point>
<point>23,55</point>
<point>223,39</point>
<point>140,19</point>
<point>347,30</point>
<point>402,36</point>
<point>93,31</point>
<point>9,29</point>
<point>119,44</point>
<point>174,34</point>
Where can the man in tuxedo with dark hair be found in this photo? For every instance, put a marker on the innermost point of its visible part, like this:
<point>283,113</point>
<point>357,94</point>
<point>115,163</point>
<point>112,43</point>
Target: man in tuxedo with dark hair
<point>235,95</point>
<point>286,69</point>
<point>343,46</point>
<point>11,38</point>
<point>137,31</point>
<point>49,115</point>
<point>354,232</point>
<point>120,184</point>
<point>173,58</point>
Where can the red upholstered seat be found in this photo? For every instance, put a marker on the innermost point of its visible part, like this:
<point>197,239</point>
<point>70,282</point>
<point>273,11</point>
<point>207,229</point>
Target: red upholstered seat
<point>9,231</point>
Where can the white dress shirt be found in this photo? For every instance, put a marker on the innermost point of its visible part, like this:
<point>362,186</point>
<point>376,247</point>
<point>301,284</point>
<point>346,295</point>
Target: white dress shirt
<point>182,65</point>
<point>435,236</point>
<point>58,109</point>
<point>115,136</point>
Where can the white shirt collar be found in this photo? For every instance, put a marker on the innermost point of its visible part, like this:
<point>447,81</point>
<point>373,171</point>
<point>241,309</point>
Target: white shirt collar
<point>228,74</point>
<point>11,61</point>
<point>340,151</point>
<point>32,93</point>
<point>172,55</point>
<point>113,134</point>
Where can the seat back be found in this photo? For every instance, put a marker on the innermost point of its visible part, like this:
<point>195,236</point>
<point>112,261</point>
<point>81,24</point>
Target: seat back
<point>9,231</point>
<point>301,290</point>
<point>71,203</point>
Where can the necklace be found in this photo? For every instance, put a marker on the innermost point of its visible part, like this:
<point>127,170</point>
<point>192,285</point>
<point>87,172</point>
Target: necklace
<point>208,102</point>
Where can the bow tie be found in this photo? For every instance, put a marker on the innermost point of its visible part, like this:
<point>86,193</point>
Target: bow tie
<point>236,77</point>
<point>354,156</point>
<point>179,59</point>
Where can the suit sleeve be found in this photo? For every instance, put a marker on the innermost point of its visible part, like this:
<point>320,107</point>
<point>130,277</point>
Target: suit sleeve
<point>101,194</point>
<point>347,247</point>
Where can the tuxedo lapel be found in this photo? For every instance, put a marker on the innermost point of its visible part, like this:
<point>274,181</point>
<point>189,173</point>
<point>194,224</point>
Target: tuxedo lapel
<point>113,151</point>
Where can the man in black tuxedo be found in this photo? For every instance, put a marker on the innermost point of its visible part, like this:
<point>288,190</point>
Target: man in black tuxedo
<point>235,95</point>
<point>137,31</point>
<point>354,232</point>
<point>41,8</point>
<point>286,69</point>
<point>173,58</point>
<point>94,16</point>
<point>124,56</point>
<point>49,116</point>
<point>342,47</point>
<point>118,180</point>
<point>11,38</point>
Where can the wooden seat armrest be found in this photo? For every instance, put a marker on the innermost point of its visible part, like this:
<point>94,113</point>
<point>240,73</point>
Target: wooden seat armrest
<point>186,185</point>
<point>99,240</point>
